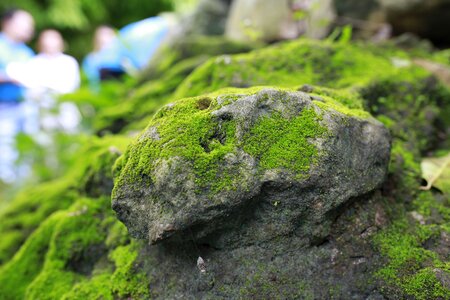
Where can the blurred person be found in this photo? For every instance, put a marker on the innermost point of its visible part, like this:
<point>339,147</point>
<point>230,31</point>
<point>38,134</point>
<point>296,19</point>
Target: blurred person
<point>105,61</point>
<point>47,75</point>
<point>17,28</point>
<point>50,71</point>
<point>128,51</point>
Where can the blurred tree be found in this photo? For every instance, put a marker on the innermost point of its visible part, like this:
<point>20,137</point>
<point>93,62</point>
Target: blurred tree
<point>77,19</point>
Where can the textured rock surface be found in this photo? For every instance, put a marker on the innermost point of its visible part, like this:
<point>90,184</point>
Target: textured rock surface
<point>277,161</point>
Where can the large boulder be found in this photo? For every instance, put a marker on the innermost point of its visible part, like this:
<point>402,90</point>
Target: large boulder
<point>248,166</point>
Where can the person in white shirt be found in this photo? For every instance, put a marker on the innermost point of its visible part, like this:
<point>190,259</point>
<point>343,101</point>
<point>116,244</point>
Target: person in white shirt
<point>46,76</point>
<point>49,71</point>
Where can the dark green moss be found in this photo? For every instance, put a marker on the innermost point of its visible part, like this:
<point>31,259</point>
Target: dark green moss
<point>413,266</point>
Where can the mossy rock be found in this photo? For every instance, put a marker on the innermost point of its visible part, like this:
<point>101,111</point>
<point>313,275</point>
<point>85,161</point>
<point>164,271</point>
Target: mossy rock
<point>386,79</point>
<point>203,159</point>
<point>185,47</point>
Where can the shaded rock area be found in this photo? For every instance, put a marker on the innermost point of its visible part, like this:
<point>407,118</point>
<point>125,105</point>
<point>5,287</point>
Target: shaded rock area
<point>268,164</point>
<point>283,268</point>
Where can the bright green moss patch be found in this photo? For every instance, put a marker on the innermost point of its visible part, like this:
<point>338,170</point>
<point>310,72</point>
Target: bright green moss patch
<point>82,253</point>
<point>282,143</point>
<point>90,175</point>
<point>75,246</point>
<point>289,64</point>
<point>99,287</point>
<point>19,219</point>
<point>185,130</point>
<point>330,104</point>
<point>412,249</point>
<point>125,281</point>
<point>20,271</point>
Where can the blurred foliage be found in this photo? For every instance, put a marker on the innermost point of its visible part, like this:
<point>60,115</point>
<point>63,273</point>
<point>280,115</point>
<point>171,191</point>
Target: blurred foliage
<point>77,20</point>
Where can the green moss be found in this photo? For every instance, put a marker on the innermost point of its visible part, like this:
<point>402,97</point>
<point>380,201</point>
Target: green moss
<point>290,64</point>
<point>185,48</point>
<point>145,100</point>
<point>25,213</point>
<point>404,172</point>
<point>90,175</point>
<point>278,142</point>
<point>411,265</point>
<point>160,79</point>
<point>80,252</point>
<point>186,130</point>
<point>99,287</point>
<point>42,261</point>
<point>75,246</point>
<point>416,105</point>
<point>20,271</point>
<point>328,103</point>
<point>125,281</point>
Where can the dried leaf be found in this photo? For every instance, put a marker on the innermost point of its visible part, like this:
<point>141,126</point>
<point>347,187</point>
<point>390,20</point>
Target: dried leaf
<point>436,171</point>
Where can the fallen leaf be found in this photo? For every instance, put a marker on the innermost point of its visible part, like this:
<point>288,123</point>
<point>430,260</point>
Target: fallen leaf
<point>436,171</point>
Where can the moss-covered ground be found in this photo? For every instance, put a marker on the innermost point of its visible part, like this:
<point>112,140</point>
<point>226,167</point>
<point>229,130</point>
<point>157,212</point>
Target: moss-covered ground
<point>61,240</point>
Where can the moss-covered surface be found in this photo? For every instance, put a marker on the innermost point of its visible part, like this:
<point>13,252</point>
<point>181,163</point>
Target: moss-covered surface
<point>278,142</point>
<point>71,244</point>
<point>79,253</point>
<point>415,245</point>
<point>189,47</point>
<point>61,240</point>
<point>90,175</point>
<point>293,63</point>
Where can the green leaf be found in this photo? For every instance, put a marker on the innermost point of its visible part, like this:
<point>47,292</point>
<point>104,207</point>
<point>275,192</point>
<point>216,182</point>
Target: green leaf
<point>436,171</point>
